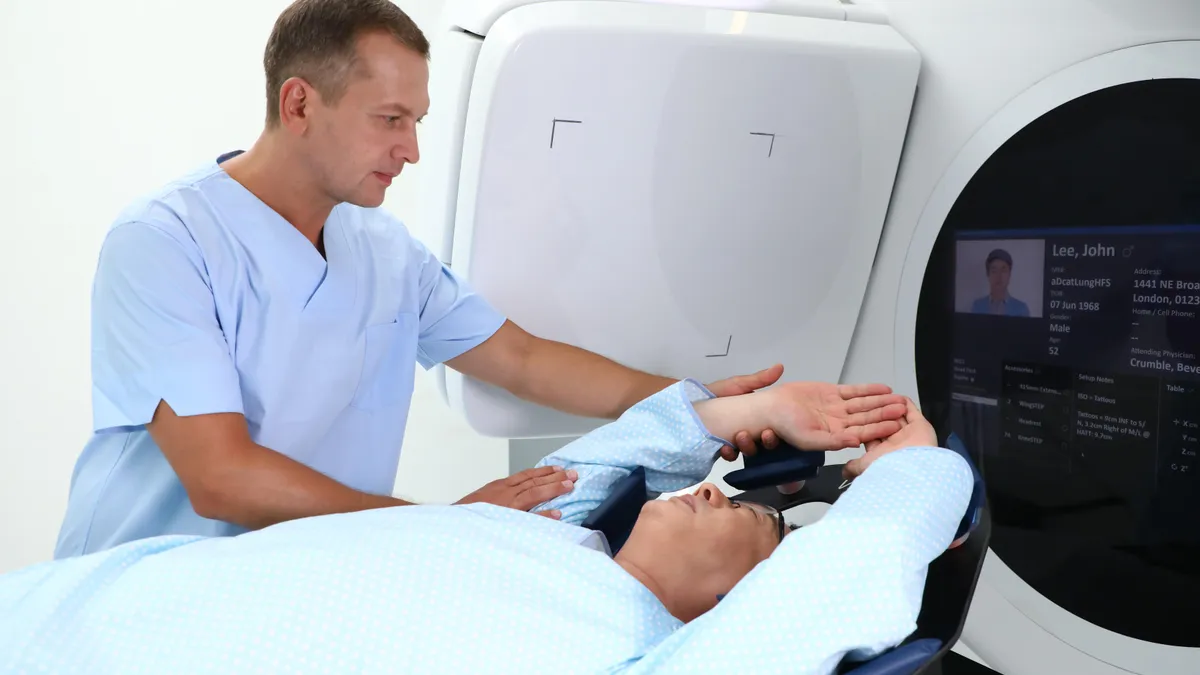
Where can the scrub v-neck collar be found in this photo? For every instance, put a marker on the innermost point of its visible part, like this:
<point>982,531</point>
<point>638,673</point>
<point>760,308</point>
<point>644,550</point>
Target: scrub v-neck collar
<point>316,284</point>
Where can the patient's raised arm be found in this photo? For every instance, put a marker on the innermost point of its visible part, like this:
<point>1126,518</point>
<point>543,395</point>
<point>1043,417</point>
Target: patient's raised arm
<point>677,434</point>
<point>662,433</point>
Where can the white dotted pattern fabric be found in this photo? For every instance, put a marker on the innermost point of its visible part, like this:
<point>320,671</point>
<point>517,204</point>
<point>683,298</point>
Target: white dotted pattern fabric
<point>663,434</point>
<point>479,588</point>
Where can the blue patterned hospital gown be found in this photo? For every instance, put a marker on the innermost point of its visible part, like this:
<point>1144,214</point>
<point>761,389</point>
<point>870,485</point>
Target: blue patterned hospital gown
<point>483,589</point>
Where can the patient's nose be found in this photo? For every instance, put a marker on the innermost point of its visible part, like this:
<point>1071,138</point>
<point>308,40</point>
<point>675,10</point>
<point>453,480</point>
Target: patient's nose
<point>711,494</point>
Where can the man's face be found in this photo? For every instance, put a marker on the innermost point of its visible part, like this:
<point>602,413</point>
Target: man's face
<point>998,273</point>
<point>707,541</point>
<point>359,145</point>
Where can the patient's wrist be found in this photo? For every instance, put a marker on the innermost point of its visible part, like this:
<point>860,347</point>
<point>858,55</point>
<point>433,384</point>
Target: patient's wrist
<point>780,411</point>
<point>726,416</point>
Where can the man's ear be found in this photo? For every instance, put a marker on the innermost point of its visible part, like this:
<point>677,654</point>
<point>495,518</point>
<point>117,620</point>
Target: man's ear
<point>295,97</point>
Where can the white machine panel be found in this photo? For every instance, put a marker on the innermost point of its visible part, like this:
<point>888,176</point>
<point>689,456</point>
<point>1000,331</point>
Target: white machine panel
<point>1014,94</point>
<point>1137,652</point>
<point>691,192</point>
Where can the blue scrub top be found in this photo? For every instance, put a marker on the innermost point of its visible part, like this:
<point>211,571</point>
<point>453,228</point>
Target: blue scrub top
<point>206,298</point>
<point>1012,306</point>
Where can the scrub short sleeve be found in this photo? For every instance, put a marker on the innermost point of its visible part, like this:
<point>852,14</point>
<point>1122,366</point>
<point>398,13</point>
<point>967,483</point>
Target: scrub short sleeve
<point>155,331</point>
<point>454,318</point>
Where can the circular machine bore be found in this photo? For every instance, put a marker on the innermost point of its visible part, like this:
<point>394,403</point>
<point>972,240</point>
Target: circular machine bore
<point>1058,337</point>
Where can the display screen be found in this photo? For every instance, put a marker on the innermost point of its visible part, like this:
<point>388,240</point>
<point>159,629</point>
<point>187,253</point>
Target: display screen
<point>1076,376</point>
<point>1059,339</point>
<point>1099,358</point>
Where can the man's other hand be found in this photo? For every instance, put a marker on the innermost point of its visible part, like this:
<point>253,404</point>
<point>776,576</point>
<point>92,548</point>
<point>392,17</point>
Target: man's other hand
<point>746,384</point>
<point>526,489</point>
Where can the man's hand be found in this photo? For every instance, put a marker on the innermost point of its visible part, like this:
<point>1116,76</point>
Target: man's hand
<point>914,430</point>
<point>823,416</point>
<point>526,489</point>
<point>746,384</point>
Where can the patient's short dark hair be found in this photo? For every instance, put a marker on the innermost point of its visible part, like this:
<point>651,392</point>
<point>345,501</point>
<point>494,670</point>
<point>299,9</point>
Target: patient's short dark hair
<point>998,254</point>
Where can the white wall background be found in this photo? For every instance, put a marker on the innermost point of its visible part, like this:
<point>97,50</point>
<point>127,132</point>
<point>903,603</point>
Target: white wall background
<point>100,102</point>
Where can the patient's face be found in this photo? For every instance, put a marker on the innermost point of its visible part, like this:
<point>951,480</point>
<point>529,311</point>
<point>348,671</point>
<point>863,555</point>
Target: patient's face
<point>998,276</point>
<point>702,544</point>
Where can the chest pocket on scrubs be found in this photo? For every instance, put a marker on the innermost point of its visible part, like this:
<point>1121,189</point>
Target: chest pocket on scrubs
<point>389,364</point>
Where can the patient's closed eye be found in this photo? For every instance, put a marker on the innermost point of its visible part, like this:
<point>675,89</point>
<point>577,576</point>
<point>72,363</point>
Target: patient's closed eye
<point>758,515</point>
<point>768,516</point>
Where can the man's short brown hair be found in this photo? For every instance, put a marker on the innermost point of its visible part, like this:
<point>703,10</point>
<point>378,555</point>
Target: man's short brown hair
<point>315,40</point>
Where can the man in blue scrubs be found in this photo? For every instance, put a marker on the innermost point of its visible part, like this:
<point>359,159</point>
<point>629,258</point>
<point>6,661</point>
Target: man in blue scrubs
<point>255,323</point>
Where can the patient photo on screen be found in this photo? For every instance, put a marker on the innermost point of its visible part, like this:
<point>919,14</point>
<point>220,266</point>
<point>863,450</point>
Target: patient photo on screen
<point>1002,277</point>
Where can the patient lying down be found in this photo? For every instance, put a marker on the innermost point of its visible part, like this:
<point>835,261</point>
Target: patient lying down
<point>479,588</point>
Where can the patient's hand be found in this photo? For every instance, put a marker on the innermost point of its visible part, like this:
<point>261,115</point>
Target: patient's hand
<point>914,430</point>
<point>746,384</point>
<point>824,416</point>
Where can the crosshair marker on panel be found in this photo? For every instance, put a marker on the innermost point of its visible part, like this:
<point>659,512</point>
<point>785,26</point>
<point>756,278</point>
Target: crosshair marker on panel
<point>771,148</point>
<point>717,356</point>
<point>554,127</point>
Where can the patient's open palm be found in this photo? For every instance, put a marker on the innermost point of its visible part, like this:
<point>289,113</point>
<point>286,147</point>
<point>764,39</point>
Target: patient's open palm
<point>824,416</point>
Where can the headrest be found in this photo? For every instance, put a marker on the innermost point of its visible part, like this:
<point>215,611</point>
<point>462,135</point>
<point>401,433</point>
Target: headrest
<point>903,660</point>
<point>616,515</point>
<point>784,464</point>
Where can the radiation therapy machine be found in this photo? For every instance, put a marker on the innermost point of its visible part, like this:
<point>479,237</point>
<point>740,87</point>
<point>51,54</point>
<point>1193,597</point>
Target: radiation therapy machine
<point>993,206</point>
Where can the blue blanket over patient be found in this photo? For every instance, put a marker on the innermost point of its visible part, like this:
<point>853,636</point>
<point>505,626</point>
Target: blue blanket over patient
<point>479,588</point>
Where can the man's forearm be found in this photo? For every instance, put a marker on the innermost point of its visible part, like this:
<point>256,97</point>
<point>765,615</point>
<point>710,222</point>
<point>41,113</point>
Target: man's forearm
<point>580,382</point>
<point>264,487</point>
